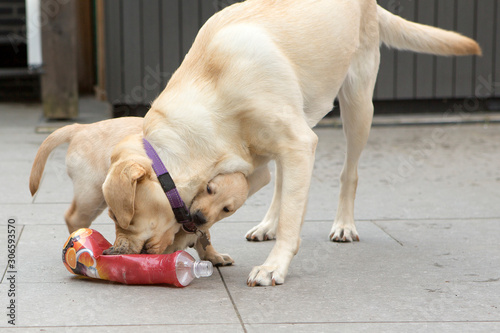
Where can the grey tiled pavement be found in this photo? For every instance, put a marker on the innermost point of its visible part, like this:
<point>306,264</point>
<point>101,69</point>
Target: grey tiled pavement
<point>427,210</point>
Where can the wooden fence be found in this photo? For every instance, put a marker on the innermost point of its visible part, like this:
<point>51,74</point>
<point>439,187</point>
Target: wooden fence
<point>147,40</point>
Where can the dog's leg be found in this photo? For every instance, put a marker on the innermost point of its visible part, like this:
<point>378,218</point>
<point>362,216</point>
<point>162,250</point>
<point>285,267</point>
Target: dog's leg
<point>258,179</point>
<point>356,108</point>
<point>83,210</point>
<point>209,253</point>
<point>266,230</point>
<point>296,161</point>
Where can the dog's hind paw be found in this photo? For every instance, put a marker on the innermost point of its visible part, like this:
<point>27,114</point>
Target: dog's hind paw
<point>265,276</point>
<point>344,234</point>
<point>262,232</point>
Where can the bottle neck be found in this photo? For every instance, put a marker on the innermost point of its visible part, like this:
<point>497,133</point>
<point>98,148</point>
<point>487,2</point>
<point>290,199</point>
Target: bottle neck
<point>202,269</point>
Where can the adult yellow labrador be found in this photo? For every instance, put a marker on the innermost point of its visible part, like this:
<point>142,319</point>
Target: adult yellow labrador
<point>259,75</point>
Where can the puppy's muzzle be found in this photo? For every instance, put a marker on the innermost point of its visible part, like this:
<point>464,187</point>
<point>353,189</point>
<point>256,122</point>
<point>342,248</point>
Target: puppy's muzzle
<point>199,218</point>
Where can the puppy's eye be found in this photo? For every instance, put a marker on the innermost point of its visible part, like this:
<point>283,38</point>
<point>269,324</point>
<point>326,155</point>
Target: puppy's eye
<point>209,190</point>
<point>226,209</point>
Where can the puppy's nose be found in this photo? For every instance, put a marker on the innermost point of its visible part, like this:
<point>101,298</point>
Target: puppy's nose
<point>199,218</point>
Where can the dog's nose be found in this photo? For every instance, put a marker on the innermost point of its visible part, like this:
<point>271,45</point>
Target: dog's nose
<point>199,218</point>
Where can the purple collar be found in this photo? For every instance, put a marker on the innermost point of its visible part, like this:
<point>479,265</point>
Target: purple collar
<point>178,206</point>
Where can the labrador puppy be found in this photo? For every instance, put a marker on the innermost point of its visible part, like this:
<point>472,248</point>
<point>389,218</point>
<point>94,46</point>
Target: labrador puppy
<point>143,216</point>
<point>259,75</point>
<point>88,160</point>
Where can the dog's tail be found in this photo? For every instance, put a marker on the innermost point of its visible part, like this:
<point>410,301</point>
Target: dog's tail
<point>60,136</point>
<point>402,34</point>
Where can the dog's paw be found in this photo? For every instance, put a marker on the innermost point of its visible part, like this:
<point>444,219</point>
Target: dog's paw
<point>116,250</point>
<point>262,232</point>
<point>343,233</point>
<point>220,259</point>
<point>124,245</point>
<point>265,276</point>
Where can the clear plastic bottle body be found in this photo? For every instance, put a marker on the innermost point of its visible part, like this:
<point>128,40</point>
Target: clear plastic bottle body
<point>187,269</point>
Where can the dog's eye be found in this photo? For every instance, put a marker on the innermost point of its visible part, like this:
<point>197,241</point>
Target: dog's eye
<point>209,190</point>
<point>226,209</point>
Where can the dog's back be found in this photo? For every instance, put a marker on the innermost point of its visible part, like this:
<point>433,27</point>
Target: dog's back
<point>89,149</point>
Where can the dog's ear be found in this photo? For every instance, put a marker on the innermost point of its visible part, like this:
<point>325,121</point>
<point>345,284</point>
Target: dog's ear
<point>119,190</point>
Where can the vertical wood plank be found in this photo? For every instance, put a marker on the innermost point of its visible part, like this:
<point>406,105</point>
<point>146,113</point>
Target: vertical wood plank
<point>100,87</point>
<point>85,49</point>
<point>384,89</point>
<point>425,63</point>
<point>132,57</point>
<point>444,65</point>
<point>405,70</point>
<point>190,24</point>
<point>485,38</point>
<point>151,50</point>
<point>464,65</point>
<point>114,55</point>
<point>59,82</point>
<point>170,31</point>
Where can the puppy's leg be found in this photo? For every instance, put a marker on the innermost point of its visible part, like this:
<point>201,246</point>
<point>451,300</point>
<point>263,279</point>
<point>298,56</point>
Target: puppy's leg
<point>266,230</point>
<point>295,158</point>
<point>210,254</point>
<point>356,108</point>
<point>87,205</point>
<point>81,214</point>
<point>159,243</point>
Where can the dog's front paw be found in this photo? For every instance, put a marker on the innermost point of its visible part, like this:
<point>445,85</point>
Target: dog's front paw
<point>344,233</point>
<point>262,232</point>
<point>116,250</point>
<point>219,259</point>
<point>124,245</point>
<point>265,276</point>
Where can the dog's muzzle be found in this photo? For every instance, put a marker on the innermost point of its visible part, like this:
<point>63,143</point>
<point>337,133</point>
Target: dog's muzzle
<point>198,218</point>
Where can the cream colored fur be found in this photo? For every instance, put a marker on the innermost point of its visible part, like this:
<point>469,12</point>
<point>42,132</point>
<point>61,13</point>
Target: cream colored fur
<point>111,152</point>
<point>259,75</point>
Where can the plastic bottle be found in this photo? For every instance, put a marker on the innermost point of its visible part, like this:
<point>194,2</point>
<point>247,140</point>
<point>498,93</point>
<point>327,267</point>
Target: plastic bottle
<point>82,255</point>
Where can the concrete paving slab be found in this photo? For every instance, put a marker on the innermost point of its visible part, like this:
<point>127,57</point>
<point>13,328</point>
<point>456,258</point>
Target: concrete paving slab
<point>375,280</point>
<point>82,302</point>
<point>377,327</point>
<point>3,251</point>
<point>19,147</point>
<point>434,171</point>
<point>407,172</point>
<point>20,115</point>
<point>36,214</point>
<point>42,279</point>
<point>427,260</point>
<point>14,180</point>
<point>42,266</point>
<point>465,252</point>
<point>71,300</point>
<point>209,328</point>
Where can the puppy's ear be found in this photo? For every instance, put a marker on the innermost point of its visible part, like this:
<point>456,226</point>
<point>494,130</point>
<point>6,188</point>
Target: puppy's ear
<point>119,190</point>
